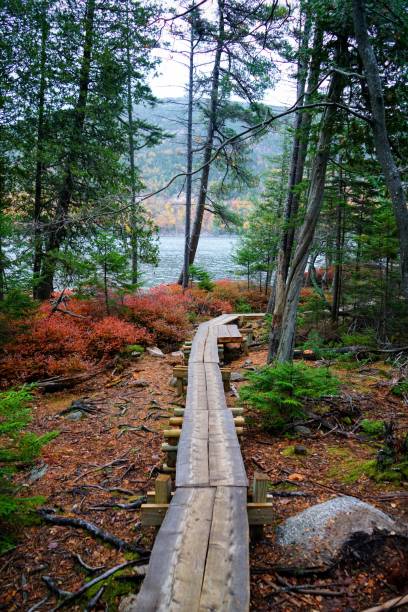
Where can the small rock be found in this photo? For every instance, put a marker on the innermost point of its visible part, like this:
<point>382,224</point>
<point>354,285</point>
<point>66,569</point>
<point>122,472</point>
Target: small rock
<point>178,354</point>
<point>38,472</point>
<point>248,362</point>
<point>316,536</point>
<point>299,449</point>
<point>173,381</point>
<point>301,429</point>
<point>237,377</point>
<point>75,415</point>
<point>155,351</point>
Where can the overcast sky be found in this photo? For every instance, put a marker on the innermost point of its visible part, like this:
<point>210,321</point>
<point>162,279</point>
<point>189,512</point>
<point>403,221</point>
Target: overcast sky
<point>172,72</point>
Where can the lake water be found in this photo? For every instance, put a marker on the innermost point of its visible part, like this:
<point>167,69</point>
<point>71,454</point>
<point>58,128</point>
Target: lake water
<point>214,254</point>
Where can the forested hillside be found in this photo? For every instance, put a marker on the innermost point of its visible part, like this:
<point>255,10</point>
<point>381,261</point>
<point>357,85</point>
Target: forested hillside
<point>166,159</point>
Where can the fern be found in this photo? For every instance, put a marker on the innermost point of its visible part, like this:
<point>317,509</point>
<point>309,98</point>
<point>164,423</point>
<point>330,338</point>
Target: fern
<point>16,448</point>
<point>279,391</point>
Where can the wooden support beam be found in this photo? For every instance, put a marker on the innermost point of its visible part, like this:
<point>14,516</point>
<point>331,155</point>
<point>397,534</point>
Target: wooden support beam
<point>259,514</point>
<point>167,469</point>
<point>152,515</point>
<point>176,421</point>
<point>259,491</point>
<point>162,487</point>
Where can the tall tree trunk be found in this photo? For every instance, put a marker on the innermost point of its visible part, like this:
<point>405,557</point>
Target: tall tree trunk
<point>189,178</point>
<point>306,235</point>
<point>2,207</point>
<point>208,147</point>
<point>133,212</point>
<point>276,300</point>
<point>382,145</point>
<point>338,264</point>
<point>39,166</point>
<point>58,231</point>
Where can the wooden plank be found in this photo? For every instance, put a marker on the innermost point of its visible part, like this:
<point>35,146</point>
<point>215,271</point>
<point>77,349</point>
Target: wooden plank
<point>226,578</point>
<point>196,398</point>
<point>228,333</point>
<point>226,463</point>
<point>198,344</point>
<point>192,466</point>
<point>215,387</point>
<point>234,332</point>
<point>176,569</point>
<point>221,424</point>
<point>211,348</point>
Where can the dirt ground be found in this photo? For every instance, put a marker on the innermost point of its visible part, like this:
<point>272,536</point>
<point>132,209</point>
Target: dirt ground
<point>112,456</point>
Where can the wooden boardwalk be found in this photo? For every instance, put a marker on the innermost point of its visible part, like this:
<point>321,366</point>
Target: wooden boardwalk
<point>200,558</point>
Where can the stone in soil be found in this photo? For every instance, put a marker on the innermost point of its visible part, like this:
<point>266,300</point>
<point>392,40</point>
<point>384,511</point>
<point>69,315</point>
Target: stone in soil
<point>316,536</point>
<point>75,415</point>
<point>301,429</point>
<point>299,449</point>
<point>237,377</point>
<point>155,351</point>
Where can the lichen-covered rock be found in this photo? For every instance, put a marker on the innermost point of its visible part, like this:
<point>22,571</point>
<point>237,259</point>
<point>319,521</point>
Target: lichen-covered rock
<point>316,536</point>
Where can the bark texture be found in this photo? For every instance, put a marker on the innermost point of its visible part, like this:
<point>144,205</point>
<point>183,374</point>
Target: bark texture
<point>306,235</point>
<point>383,148</point>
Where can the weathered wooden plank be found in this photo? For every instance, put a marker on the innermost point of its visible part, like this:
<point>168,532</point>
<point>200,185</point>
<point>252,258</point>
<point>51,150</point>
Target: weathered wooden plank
<point>228,333</point>
<point>211,348</point>
<point>221,424</point>
<point>176,569</point>
<point>215,387</point>
<point>192,466</point>
<point>234,332</point>
<point>198,344</point>
<point>226,578</point>
<point>226,463</point>
<point>196,398</point>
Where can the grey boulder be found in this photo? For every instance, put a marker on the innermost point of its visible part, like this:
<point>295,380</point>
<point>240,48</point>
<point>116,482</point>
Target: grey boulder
<point>316,536</point>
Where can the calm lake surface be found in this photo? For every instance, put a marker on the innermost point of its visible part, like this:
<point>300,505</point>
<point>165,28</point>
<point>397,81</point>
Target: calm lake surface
<point>214,254</point>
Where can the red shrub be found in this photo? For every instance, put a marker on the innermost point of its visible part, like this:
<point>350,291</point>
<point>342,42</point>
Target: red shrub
<point>163,312</point>
<point>110,335</point>
<point>206,303</point>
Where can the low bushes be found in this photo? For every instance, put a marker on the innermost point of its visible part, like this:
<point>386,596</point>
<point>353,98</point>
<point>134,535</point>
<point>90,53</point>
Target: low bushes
<point>280,390</point>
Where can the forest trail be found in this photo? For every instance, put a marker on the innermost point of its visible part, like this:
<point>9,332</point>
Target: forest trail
<point>77,484</point>
<point>200,559</point>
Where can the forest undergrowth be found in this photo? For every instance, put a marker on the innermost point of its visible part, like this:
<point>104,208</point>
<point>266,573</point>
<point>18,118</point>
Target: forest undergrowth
<point>108,452</point>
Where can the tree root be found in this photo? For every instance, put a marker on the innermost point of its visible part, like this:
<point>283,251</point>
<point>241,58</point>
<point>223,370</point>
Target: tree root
<point>97,532</point>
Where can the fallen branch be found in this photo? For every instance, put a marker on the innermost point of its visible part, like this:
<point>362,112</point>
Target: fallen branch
<point>397,602</point>
<point>74,596</point>
<point>133,506</point>
<point>92,602</point>
<point>38,605</point>
<point>115,463</point>
<point>88,568</point>
<point>57,383</point>
<point>97,532</point>
<point>289,494</point>
<point>54,588</point>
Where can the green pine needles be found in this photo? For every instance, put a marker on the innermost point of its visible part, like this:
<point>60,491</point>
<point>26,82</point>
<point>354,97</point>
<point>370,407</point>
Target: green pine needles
<point>17,449</point>
<point>279,391</point>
